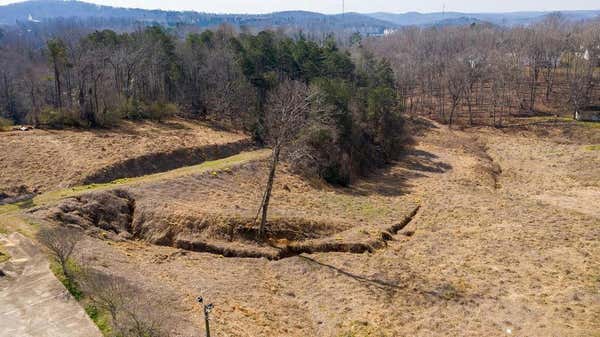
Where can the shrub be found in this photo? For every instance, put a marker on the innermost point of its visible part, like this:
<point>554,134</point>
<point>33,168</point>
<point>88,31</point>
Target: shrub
<point>5,124</point>
<point>131,109</point>
<point>335,175</point>
<point>99,317</point>
<point>58,119</point>
<point>69,282</point>
<point>61,243</point>
<point>136,110</point>
<point>117,307</point>
<point>158,110</point>
<point>110,118</point>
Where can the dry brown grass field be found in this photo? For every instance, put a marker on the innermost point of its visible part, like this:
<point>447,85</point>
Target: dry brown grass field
<point>476,232</point>
<point>42,160</point>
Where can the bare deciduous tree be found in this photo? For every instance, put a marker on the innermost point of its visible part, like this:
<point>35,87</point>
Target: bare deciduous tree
<point>61,243</point>
<point>132,313</point>
<point>508,68</point>
<point>457,85</point>
<point>286,113</point>
<point>583,60</point>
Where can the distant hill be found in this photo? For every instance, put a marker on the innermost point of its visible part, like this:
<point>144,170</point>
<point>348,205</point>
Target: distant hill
<point>375,23</point>
<point>503,19</point>
<point>40,10</point>
<point>461,21</point>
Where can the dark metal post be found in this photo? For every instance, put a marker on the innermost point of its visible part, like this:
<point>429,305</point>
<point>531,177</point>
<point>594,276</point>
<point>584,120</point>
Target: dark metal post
<point>206,308</point>
<point>207,325</point>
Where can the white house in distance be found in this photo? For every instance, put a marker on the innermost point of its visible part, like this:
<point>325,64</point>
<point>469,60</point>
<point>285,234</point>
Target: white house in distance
<point>31,19</point>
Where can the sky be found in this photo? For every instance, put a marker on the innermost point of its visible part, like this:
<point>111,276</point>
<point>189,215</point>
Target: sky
<point>362,6</point>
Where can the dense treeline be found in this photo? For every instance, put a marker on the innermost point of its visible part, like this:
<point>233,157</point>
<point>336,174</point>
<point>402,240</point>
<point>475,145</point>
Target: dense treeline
<point>222,75</point>
<point>479,74</point>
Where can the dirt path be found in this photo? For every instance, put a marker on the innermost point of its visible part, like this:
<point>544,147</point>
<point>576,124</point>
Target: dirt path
<point>33,303</point>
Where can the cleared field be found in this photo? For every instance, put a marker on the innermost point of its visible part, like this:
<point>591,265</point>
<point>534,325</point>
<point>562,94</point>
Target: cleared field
<point>480,232</point>
<point>214,211</point>
<point>42,160</point>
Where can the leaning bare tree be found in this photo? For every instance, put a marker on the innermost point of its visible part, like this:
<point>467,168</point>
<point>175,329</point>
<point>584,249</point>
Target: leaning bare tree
<point>61,243</point>
<point>286,113</point>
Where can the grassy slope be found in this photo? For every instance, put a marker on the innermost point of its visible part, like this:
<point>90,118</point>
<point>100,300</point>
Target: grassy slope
<point>11,218</point>
<point>9,214</point>
<point>46,160</point>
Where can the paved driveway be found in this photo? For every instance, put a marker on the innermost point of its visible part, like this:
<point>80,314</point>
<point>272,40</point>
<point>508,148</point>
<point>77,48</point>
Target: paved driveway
<point>33,303</point>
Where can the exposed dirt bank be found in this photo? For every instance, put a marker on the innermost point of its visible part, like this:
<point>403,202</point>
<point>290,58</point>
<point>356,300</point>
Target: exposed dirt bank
<point>114,214</point>
<point>165,161</point>
<point>43,160</point>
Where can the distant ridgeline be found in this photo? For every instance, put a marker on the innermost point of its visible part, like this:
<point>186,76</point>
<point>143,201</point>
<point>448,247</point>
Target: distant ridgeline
<point>112,17</point>
<point>96,16</point>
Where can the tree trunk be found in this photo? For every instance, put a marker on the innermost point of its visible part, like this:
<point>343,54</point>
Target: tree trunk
<point>267,196</point>
<point>33,104</point>
<point>533,88</point>
<point>550,81</point>
<point>58,86</point>
<point>454,104</point>
<point>470,110</point>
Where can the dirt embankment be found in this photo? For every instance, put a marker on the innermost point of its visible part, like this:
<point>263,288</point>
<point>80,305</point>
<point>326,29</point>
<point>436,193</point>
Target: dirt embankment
<point>42,160</point>
<point>113,214</point>
<point>165,161</point>
<point>110,211</point>
<point>15,194</point>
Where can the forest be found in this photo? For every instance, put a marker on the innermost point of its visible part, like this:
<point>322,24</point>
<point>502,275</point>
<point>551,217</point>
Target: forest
<point>477,74</point>
<point>482,74</point>
<point>216,75</point>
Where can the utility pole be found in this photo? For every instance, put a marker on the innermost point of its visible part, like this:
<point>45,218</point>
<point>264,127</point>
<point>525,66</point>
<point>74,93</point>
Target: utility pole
<point>207,308</point>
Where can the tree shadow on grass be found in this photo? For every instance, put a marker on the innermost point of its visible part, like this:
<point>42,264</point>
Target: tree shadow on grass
<point>414,287</point>
<point>381,284</point>
<point>395,179</point>
<point>422,161</point>
<point>419,288</point>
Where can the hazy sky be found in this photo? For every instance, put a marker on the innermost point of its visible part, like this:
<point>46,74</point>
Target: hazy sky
<point>364,6</point>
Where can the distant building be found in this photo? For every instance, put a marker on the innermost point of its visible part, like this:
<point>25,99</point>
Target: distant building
<point>31,19</point>
<point>586,54</point>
